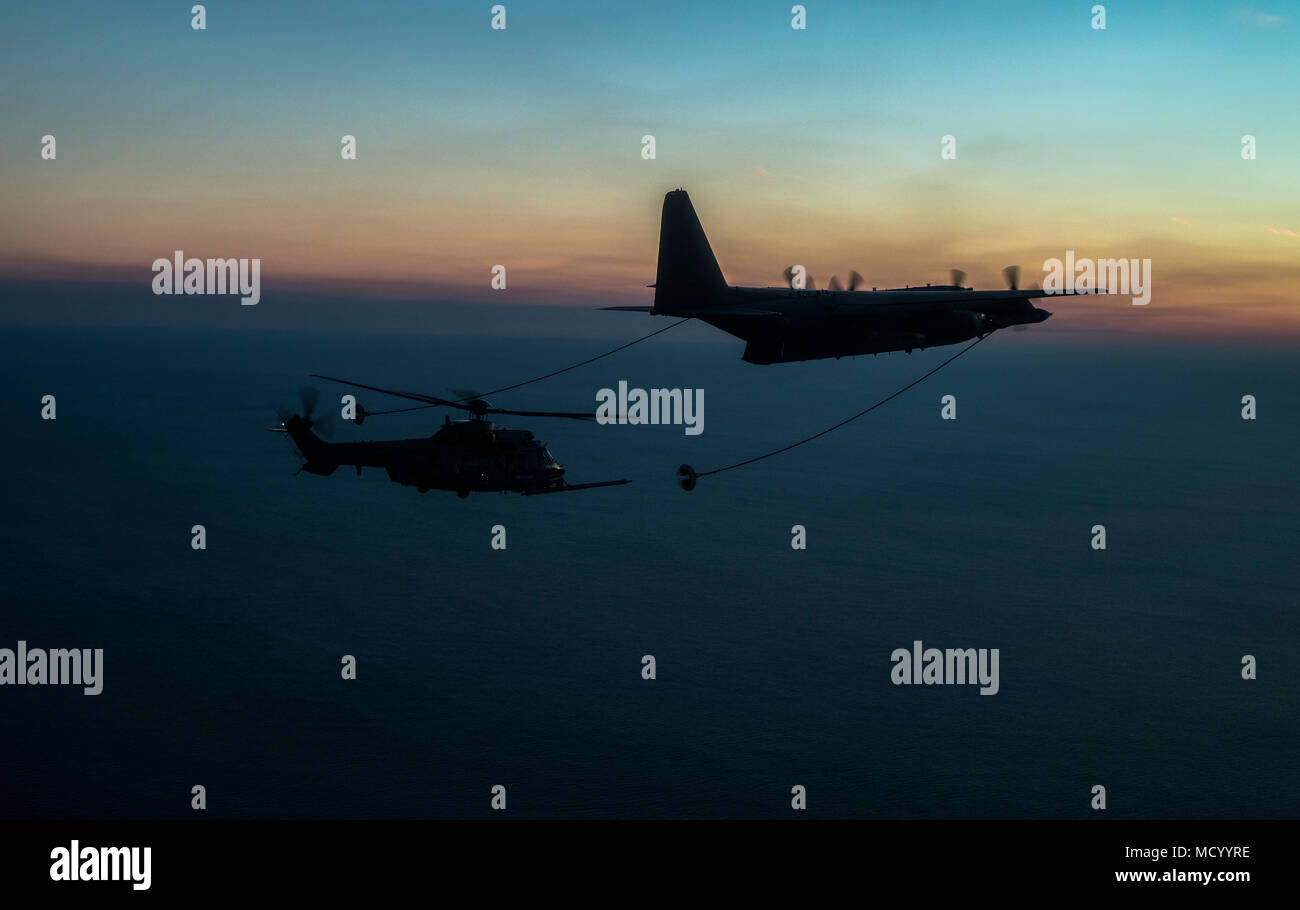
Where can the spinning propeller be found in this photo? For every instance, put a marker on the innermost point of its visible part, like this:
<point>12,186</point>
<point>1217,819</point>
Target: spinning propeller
<point>855,281</point>
<point>1012,274</point>
<point>957,278</point>
<point>808,284</point>
<point>309,397</point>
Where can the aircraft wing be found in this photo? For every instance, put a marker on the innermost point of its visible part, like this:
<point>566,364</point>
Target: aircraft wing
<point>920,299</point>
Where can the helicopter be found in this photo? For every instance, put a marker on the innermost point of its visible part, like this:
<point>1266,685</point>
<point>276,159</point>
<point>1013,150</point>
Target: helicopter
<point>465,456</point>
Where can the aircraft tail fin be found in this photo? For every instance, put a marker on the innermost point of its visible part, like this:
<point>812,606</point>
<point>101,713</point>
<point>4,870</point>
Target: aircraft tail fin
<point>689,277</point>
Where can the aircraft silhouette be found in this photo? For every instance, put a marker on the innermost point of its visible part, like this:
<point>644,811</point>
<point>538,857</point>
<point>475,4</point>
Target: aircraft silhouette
<point>786,324</point>
<point>465,456</point>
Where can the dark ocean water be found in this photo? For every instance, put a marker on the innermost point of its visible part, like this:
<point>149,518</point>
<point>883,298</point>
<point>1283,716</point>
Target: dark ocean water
<point>479,667</point>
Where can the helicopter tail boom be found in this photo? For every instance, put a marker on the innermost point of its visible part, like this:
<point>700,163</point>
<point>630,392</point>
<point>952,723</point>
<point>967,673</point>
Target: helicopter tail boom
<point>314,449</point>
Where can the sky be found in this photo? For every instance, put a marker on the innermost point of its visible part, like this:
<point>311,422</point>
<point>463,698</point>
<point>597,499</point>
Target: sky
<point>523,146</point>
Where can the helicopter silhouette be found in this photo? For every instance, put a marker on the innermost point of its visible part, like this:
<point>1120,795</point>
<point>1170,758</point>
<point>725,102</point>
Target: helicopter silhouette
<point>465,456</point>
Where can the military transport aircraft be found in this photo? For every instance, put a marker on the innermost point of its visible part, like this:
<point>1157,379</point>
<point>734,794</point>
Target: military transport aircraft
<point>785,324</point>
<point>467,456</point>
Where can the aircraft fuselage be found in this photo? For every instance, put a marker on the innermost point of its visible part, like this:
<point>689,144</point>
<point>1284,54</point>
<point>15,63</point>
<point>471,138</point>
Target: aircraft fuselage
<point>811,325</point>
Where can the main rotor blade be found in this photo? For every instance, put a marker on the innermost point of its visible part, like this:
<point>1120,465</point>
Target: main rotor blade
<point>427,399</point>
<point>570,487</point>
<point>431,399</point>
<point>573,414</point>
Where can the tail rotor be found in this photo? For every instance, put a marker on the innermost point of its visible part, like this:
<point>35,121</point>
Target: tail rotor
<point>323,424</point>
